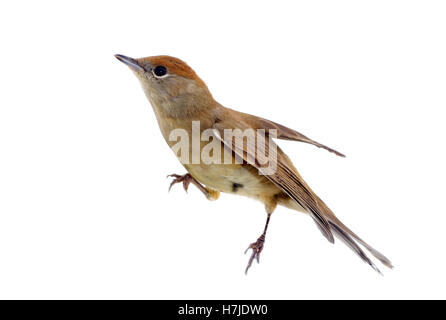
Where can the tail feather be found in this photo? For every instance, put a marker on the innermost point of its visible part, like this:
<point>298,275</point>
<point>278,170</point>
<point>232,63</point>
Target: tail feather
<point>334,221</point>
<point>351,239</point>
<point>341,231</point>
<point>352,245</point>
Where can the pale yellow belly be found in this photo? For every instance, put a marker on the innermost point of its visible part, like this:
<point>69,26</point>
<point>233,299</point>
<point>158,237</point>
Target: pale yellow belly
<point>232,178</point>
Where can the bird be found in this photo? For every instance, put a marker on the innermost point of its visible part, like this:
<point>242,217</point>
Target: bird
<point>180,99</point>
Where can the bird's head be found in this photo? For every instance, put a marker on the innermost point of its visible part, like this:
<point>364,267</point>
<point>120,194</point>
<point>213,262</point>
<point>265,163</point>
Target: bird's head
<point>168,82</point>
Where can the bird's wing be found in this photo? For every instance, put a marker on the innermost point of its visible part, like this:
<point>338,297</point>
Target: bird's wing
<point>283,132</point>
<point>285,176</point>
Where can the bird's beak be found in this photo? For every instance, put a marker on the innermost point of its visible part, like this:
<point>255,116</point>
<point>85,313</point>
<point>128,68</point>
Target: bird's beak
<point>132,63</point>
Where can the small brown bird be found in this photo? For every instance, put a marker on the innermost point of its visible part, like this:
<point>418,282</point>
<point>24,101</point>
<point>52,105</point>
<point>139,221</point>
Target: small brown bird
<point>181,100</point>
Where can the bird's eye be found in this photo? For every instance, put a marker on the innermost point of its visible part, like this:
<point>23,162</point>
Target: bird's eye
<point>160,71</point>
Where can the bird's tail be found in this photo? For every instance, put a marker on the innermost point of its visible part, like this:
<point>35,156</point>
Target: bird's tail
<point>342,232</point>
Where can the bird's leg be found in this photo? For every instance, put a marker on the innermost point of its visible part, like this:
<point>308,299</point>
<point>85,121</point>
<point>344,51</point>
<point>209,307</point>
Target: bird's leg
<point>187,179</point>
<point>257,246</point>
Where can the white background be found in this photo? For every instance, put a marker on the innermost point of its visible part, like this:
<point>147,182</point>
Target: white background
<point>84,207</point>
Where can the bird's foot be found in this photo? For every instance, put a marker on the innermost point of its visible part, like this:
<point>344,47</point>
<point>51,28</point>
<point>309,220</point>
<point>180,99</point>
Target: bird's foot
<point>187,179</point>
<point>257,248</point>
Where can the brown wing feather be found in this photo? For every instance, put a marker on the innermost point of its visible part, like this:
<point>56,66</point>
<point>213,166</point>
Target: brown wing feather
<point>285,176</point>
<point>283,132</point>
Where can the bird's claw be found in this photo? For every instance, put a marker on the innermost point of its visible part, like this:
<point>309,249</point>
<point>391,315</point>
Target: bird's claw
<point>257,248</point>
<point>185,179</point>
